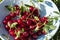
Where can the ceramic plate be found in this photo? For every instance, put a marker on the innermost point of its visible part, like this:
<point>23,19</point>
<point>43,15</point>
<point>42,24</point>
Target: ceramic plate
<point>46,8</point>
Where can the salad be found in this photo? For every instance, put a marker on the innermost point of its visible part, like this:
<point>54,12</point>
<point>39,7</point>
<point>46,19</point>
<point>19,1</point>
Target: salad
<point>24,22</point>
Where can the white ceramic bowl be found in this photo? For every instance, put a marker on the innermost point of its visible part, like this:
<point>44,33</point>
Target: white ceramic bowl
<point>47,7</point>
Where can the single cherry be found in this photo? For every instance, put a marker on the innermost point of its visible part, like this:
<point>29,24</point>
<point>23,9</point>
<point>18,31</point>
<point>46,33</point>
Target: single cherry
<point>17,7</point>
<point>7,27</point>
<point>5,21</point>
<point>8,17</point>
<point>31,8</point>
<point>12,14</point>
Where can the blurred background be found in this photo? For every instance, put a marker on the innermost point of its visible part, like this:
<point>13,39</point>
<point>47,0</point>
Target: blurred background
<point>57,35</point>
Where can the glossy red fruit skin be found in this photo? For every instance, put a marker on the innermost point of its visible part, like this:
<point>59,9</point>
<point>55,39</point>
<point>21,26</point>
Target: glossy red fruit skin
<point>30,38</point>
<point>31,32</point>
<point>12,32</point>
<point>8,17</point>
<point>26,13</point>
<point>29,22</point>
<point>19,21</point>
<point>31,8</point>
<point>39,32</point>
<point>17,12</point>
<point>23,25</point>
<point>32,27</point>
<point>25,34</point>
<point>44,19</point>
<point>34,36</point>
<point>7,27</point>
<point>17,39</point>
<point>35,12</point>
<point>17,7</point>
<point>12,14</point>
<point>5,21</point>
<point>23,17</point>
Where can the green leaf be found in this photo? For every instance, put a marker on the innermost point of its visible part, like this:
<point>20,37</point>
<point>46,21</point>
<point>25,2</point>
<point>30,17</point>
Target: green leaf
<point>40,0</point>
<point>56,12</point>
<point>22,30</point>
<point>27,5</point>
<point>52,27</point>
<point>46,28</point>
<point>17,34</point>
<point>0,0</point>
<point>13,25</point>
<point>10,8</point>
<point>0,39</point>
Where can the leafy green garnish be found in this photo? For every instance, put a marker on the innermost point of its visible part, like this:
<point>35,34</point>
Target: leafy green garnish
<point>40,0</point>
<point>27,5</point>
<point>0,39</point>
<point>13,25</point>
<point>17,34</point>
<point>0,0</point>
<point>22,30</point>
<point>10,8</point>
<point>56,12</point>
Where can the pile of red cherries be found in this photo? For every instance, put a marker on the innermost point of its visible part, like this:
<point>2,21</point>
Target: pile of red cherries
<point>28,26</point>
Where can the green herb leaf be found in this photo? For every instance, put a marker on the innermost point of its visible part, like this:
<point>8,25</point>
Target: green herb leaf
<point>0,39</point>
<point>17,34</point>
<point>10,8</point>
<point>22,30</point>
<point>46,28</point>
<point>13,25</point>
<point>52,27</point>
<point>40,0</point>
<point>27,5</point>
<point>0,0</point>
<point>56,12</point>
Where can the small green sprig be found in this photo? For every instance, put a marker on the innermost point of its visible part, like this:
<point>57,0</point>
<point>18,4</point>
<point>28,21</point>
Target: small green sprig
<point>0,39</point>
<point>0,0</point>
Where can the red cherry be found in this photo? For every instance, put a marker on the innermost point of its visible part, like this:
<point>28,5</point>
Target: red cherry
<point>23,17</point>
<point>39,32</point>
<point>31,32</point>
<point>44,19</point>
<point>32,27</point>
<point>8,17</point>
<point>25,34</point>
<point>19,21</point>
<point>7,27</point>
<point>5,22</point>
<point>30,38</point>
<point>12,32</point>
<point>12,14</point>
<point>26,13</point>
<point>17,38</point>
<point>14,20</point>
<point>31,8</point>
<point>17,7</point>
<point>35,12</point>
<point>17,12</point>
<point>35,36</point>
<point>10,21</point>
<point>23,25</point>
<point>29,22</point>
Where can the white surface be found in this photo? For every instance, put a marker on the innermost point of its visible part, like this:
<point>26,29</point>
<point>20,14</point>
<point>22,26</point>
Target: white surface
<point>46,8</point>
